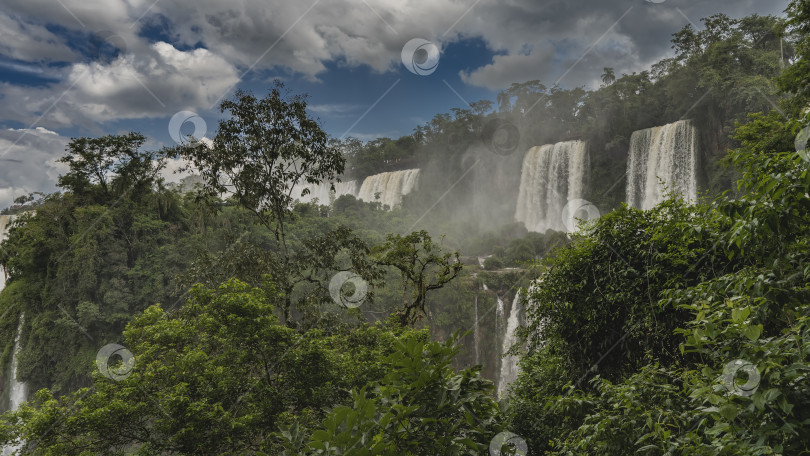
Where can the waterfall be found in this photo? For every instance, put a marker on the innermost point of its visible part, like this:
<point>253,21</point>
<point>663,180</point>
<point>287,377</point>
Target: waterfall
<point>551,175</point>
<point>499,311</point>
<point>668,153</point>
<point>509,364</point>
<point>18,391</point>
<point>391,186</point>
<point>5,224</point>
<point>345,188</point>
<point>323,191</point>
<point>477,333</point>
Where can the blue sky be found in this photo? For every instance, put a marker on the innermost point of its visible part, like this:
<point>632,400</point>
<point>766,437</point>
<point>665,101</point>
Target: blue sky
<point>90,67</point>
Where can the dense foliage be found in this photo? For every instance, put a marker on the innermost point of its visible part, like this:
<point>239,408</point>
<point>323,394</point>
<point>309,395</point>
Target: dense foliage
<point>215,377</point>
<point>724,295</point>
<point>421,406</point>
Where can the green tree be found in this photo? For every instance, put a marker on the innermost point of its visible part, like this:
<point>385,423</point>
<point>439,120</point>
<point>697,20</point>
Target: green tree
<point>218,376</point>
<point>424,267</point>
<point>796,78</point>
<point>261,153</point>
<point>608,77</point>
<point>109,166</point>
<point>420,407</point>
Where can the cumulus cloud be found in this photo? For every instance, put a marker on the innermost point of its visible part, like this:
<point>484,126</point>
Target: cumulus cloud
<point>570,42</point>
<point>28,162</point>
<point>205,46</point>
<point>155,83</point>
<point>31,42</point>
<point>552,40</point>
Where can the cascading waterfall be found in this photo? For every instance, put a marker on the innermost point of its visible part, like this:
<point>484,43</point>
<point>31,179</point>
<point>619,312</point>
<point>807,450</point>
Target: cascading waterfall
<point>509,364</point>
<point>345,188</point>
<point>499,311</point>
<point>5,224</point>
<point>323,191</point>
<point>668,153</point>
<point>391,186</point>
<point>551,176</point>
<point>18,391</point>
<point>477,333</point>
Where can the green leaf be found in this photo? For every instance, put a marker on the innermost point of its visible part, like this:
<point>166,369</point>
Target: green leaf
<point>728,411</point>
<point>753,332</point>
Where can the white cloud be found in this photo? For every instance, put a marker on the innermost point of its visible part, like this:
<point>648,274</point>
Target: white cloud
<point>31,42</point>
<point>334,110</point>
<point>28,162</point>
<point>511,68</point>
<point>155,83</point>
<point>534,40</point>
<point>572,41</point>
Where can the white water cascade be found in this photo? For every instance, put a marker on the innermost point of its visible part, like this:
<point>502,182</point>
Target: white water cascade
<point>668,154</point>
<point>391,186</point>
<point>323,191</point>
<point>551,176</point>
<point>509,364</point>
<point>5,224</point>
<point>18,391</point>
<point>477,333</point>
<point>499,311</point>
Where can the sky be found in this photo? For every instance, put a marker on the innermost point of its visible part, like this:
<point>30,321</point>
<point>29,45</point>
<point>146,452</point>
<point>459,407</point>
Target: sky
<point>371,68</point>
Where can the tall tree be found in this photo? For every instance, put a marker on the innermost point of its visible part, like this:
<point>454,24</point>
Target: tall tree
<point>796,78</point>
<point>106,167</point>
<point>424,267</point>
<point>263,151</point>
<point>608,77</point>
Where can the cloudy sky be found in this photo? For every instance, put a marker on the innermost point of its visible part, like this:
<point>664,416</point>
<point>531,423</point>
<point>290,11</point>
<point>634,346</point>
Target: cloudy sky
<point>89,67</point>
